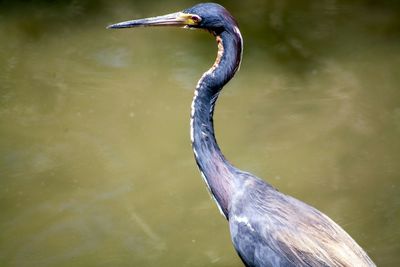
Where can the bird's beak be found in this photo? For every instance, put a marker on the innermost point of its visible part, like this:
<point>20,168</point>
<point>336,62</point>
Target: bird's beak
<point>178,19</point>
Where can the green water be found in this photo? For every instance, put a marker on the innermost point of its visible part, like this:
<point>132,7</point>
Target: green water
<point>96,167</point>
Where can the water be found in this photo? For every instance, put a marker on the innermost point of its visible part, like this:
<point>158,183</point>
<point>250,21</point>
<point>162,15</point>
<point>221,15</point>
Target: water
<point>95,160</point>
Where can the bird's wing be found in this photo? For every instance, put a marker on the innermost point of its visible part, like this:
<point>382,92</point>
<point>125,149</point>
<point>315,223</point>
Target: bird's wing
<point>278,230</point>
<point>307,236</point>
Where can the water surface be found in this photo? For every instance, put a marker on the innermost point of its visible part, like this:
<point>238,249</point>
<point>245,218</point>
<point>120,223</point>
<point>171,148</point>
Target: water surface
<point>95,161</point>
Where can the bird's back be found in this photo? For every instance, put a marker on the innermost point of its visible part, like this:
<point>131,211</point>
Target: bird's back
<point>269,228</point>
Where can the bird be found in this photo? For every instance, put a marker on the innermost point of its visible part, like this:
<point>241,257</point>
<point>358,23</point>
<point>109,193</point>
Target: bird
<point>267,227</point>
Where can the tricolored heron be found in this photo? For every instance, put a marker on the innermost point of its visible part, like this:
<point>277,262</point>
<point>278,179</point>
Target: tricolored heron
<point>267,227</point>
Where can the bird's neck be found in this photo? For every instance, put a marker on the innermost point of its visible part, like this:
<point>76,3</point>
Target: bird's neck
<point>217,172</point>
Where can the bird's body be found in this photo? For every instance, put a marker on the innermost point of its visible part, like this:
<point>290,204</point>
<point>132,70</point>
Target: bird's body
<point>286,231</point>
<point>268,228</point>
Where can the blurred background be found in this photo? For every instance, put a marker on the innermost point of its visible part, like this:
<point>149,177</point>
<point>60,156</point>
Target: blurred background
<point>96,167</point>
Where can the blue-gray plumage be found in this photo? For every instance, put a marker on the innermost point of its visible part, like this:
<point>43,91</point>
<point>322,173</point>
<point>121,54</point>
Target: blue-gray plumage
<point>267,227</point>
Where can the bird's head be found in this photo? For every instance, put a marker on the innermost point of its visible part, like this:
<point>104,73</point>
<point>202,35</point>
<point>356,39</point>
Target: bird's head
<point>208,16</point>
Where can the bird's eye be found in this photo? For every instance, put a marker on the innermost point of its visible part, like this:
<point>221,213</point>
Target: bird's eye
<point>195,18</point>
